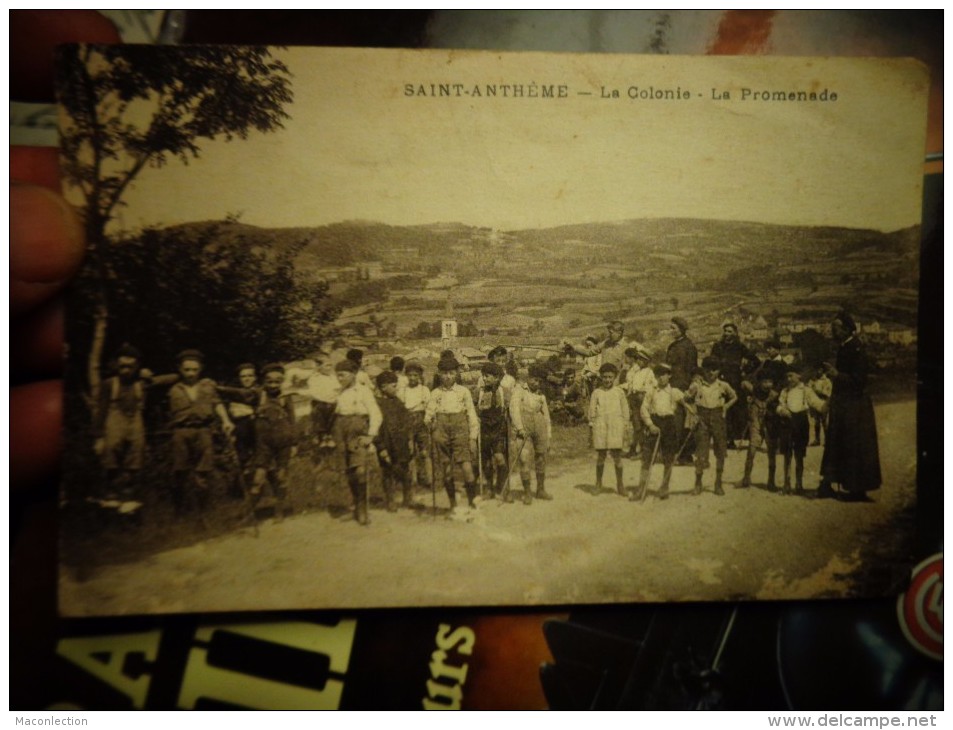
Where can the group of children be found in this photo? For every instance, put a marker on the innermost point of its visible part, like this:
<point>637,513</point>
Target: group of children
<point>446,435</point>
<point>258,422</point>
<point>442,436</point>
<point>640,408</point>
<point>417,435</point>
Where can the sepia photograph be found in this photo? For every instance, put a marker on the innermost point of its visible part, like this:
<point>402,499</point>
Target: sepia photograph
<point>377,328</point>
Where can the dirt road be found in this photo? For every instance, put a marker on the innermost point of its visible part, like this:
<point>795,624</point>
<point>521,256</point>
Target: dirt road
<point>581,547</point>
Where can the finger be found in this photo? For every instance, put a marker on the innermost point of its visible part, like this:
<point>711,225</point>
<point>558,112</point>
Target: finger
<point>36,343</point>
<point>46,245</point>
<point>37,165</point>
<point>35,443</point>
<point>33,36</point>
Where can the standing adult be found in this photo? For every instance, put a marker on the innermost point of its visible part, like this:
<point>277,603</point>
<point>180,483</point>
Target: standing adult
<point>851,454</point>
<point>682,357</point>
<point>736,361</point>
<point>611,349</point>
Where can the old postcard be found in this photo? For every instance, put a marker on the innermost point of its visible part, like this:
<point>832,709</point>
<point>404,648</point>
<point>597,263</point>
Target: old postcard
<point>367,328</point>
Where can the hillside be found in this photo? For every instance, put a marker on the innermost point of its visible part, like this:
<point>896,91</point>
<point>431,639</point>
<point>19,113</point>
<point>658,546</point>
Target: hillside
<point>573,277</point>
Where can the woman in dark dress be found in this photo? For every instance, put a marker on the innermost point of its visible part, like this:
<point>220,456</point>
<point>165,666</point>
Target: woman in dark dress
<point>851,455</point>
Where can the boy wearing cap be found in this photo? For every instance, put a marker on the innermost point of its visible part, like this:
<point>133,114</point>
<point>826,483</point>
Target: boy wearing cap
<point>762,426</point>
<point>713,398</point>
<point>454,425</point>
<point>274,438</point>
<point>529,413</point>
<point>194,407</point>
<point>450,360</point>
<point>609,421</point>
<point>357,421</point>
<point>393,441</point>
<point>416,397</point>
<point>491,409</point>
<point>507,381</point>
<point>658,413</point>
<point>793,404</point>
<point>638,379</point>
<point>773,366</point>
<point>361,377</point>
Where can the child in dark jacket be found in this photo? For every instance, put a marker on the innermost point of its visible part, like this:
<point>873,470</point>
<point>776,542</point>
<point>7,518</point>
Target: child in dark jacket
<point>393,441</point>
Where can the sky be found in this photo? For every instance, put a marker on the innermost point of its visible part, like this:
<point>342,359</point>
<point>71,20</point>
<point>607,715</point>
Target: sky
<point>359,146</point>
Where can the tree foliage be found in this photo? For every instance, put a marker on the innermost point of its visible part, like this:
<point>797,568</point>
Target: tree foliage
<point>224,294</point>
<point>128,107</point>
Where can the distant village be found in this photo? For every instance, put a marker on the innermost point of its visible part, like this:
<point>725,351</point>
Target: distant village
<point>404,298</point>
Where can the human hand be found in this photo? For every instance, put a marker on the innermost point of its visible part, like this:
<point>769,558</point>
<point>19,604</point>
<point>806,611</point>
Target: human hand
<point>46,248</point>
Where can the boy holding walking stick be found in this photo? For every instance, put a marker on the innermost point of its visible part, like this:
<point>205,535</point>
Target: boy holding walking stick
<point>661,434</point>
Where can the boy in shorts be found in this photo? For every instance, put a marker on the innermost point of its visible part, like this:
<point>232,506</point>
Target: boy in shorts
<point>659,417</point>
<point>713,398</point>
<point>274,438</point>
<point>609,424</point>
<point>794,402</point>
<point>491,408</point>
<point>454,425</point>
<point>532,427</point>
<point>416,396</point>
<point>357,421</point>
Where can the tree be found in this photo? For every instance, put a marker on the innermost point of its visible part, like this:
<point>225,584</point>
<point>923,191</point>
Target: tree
<point>221,290</point>
<point>132,107</point>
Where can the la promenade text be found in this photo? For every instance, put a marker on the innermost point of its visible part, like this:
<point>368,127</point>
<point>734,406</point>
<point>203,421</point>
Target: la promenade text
<point>632,92</point>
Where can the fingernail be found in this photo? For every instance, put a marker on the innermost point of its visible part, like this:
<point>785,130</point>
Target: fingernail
<point>46,238</point>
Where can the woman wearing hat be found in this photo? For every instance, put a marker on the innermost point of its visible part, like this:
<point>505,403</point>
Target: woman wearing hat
<point>851,455</point>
